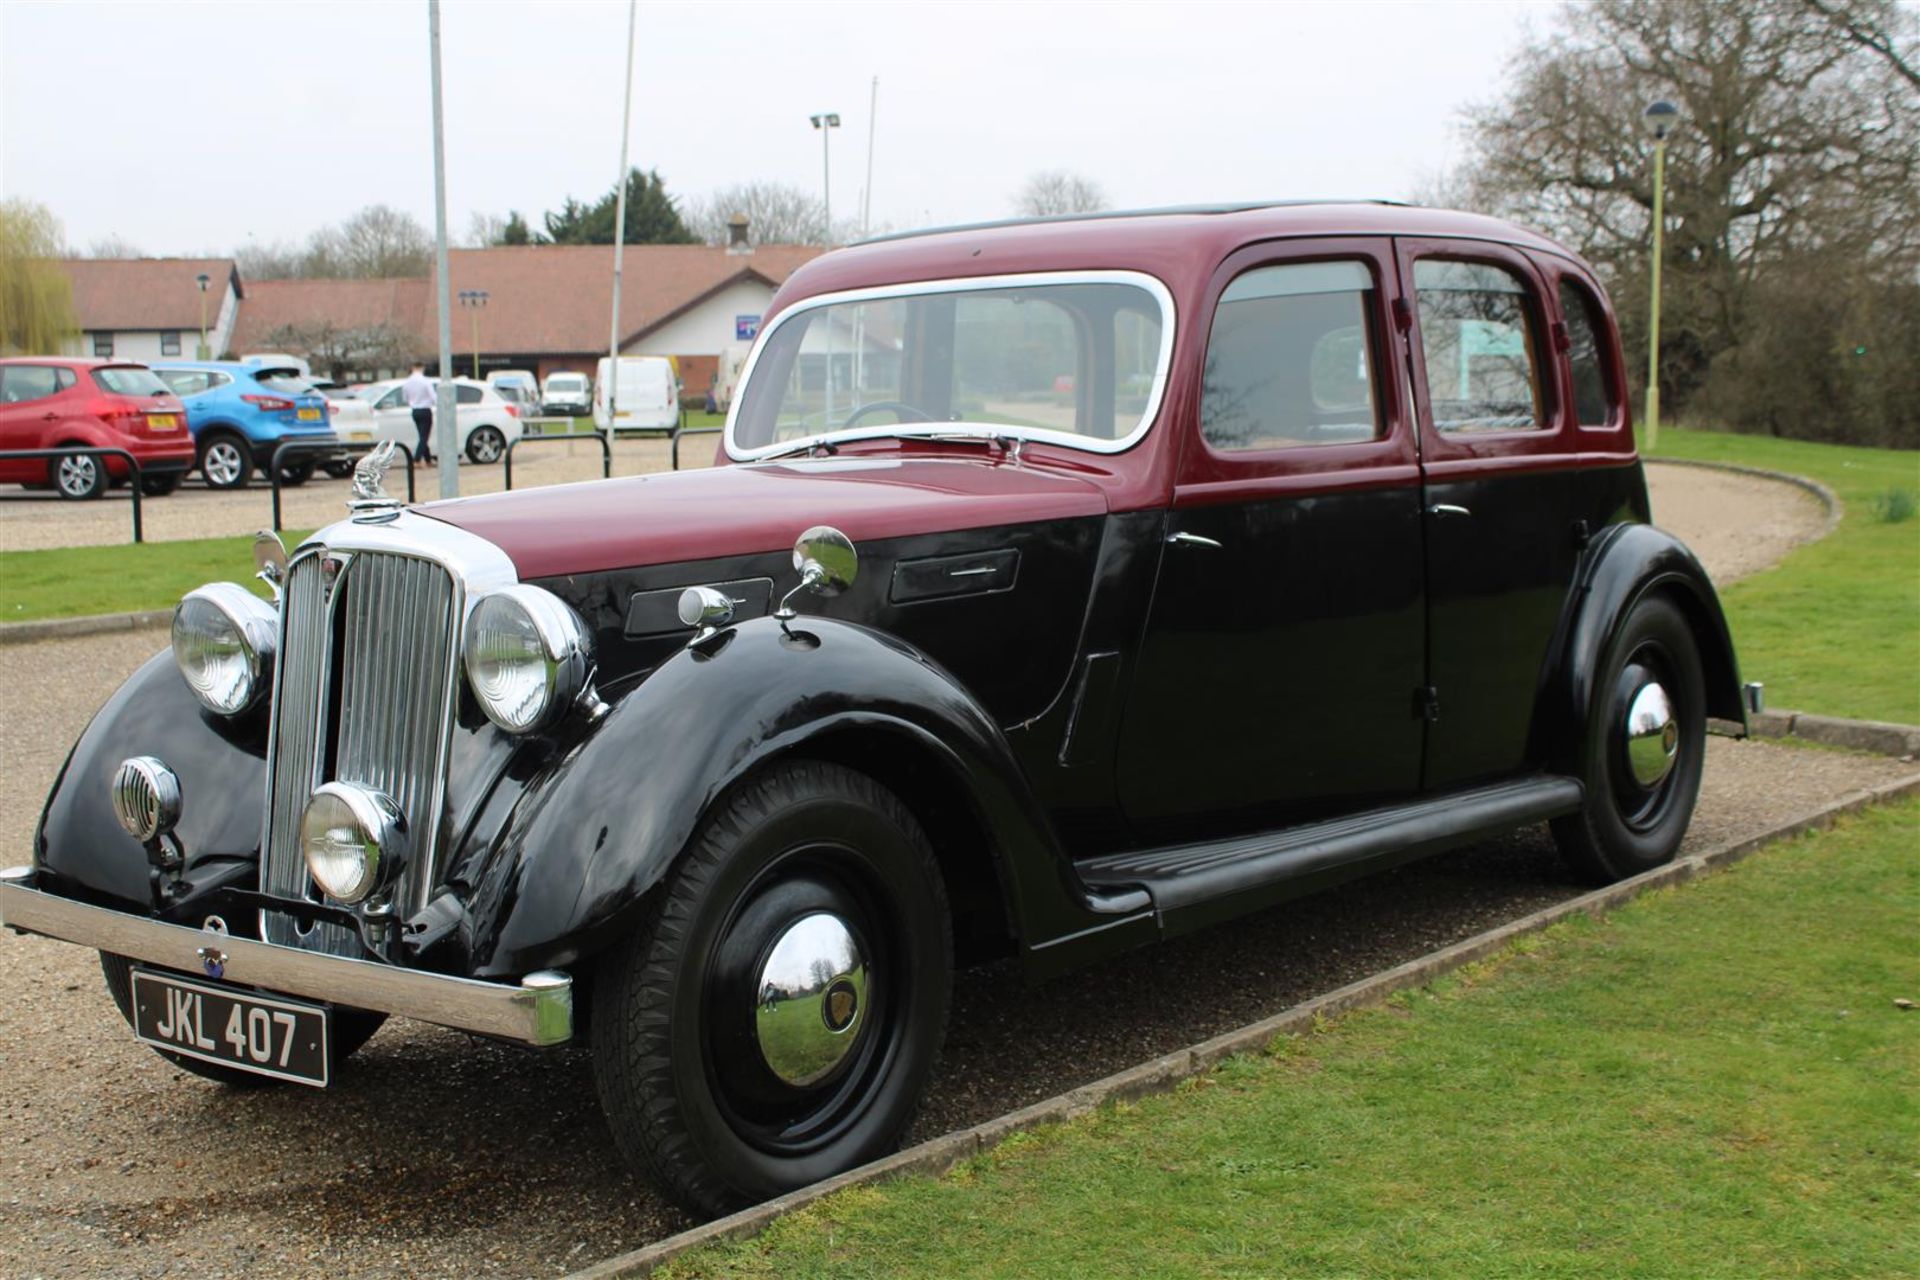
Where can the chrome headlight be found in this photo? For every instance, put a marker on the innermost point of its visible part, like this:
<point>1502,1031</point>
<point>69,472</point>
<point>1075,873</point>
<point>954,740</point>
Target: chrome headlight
<point>352,838</point>
<point>223,640</point>
<point>527,656</point>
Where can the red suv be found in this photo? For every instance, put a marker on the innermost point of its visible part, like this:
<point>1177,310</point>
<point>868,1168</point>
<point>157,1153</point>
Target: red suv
<point>47,402</point>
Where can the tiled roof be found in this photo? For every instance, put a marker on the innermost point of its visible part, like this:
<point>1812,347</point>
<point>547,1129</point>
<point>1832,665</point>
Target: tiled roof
<point>271,305</point>
<point>556,298</point>
<point>146,293</point>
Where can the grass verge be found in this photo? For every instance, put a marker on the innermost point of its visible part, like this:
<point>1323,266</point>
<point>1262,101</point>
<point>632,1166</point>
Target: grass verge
<point>1835,627</point>
<point>1711,1082</point>
<point>68,582</point>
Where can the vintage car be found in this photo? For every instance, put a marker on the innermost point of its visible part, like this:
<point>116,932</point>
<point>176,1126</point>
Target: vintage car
<point>1065,586</point>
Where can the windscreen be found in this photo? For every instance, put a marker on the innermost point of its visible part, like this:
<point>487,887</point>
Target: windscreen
<point>130,380</point>
<point>1076,362</point>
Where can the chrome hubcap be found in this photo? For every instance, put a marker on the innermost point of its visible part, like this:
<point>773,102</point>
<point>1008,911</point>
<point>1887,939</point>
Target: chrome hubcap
<point>222,464</point>
<point>1652,734</point>
<point>811,1000</point>
<point>77,474</point>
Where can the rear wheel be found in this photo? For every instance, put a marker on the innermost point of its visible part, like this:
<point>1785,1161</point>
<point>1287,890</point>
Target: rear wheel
<point>295,474</point>
<point>78,476</point>
<point>1645,749</point>
<point>226,462</point>
<point>351,1029</point>
<point>777,1015</point>
<point>485,445</point>
<point>339,469</point>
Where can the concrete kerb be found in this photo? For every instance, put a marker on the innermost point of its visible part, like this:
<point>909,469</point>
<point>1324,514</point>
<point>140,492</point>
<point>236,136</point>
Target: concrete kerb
<point>91,625</point>
<point>1161,1074</point>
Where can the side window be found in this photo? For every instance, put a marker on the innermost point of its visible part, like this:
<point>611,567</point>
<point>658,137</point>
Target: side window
<point>391,400</point>
<point>467,395</point>
<point>20,382</point>
<point>1593,399</point>
<point>169,342</point>
<point>1483,365</point>
<point>185,382</point>
<point>1290,359</point>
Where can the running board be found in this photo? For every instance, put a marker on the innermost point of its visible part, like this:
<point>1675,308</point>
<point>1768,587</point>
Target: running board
<point>1196,884</point>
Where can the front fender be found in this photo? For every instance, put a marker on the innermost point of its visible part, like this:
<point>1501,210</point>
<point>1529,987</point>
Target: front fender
<point>222,769</point>
<point>1626,563</point>
<point>604,822</point>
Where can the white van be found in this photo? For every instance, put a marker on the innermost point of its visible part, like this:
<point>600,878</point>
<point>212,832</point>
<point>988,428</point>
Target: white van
<point>648,399</point>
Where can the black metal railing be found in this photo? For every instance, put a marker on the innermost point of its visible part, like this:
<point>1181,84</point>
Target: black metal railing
<point>334,448</point>
<point>133,479</point>
<point>691,431</point>
<point>606,451</point>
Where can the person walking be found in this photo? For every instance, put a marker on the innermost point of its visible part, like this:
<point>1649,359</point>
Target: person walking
<point>419,394</point>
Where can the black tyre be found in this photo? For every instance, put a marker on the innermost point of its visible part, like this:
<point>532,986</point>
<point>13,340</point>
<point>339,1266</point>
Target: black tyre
<point>160,486</point>
<point>295,474</point>
<point>226,460</point>
<point>78,477</point>
<point>485,445</point>
<point>351,1029</point>
<point>339,469</point>
<point>776,1017</point>
<point>1645,749</point>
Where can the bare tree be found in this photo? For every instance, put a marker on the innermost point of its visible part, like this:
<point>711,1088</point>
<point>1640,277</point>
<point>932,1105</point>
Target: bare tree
<point>275,260</point>
<point>776,213</point>
<point>1056,191</point>
<point>484,230</point>
<point>1797,157</point>
<point>335,350</point>
<point>377,242</point>
<point>114,246</point>
<point>36,297</point>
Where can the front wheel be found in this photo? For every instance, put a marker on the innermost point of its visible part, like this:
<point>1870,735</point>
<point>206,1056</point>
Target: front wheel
<point>351,1029</point>
<point>776,1017</point>
<point>485,445</point>
<point>1645,749</point>
<point>79,476</point>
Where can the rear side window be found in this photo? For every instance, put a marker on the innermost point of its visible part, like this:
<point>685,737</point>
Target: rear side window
<point>130,380</point>
<point>31,382</point>
<point>1290,359</point>
<point>1593,398</point>
<point>468,395</point>
<point>191,382</point>
<point>1482,363</point>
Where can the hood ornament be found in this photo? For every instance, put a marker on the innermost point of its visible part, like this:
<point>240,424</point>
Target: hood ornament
<point>369,502</point>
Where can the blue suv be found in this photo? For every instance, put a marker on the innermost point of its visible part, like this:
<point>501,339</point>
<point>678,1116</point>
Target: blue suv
<point>240,413</point>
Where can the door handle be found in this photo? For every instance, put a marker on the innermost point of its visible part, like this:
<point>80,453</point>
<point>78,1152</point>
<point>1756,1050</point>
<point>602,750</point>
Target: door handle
<point>1190,540</point>
<point>49,417</point>
<point>1444,509</point>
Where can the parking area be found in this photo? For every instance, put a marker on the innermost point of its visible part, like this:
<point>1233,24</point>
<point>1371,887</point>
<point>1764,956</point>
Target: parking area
<point>36,519</point>
<point>439,1155</point>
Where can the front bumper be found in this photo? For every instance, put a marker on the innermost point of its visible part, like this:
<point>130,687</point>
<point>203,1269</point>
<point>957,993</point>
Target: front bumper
<point>539,1011</point>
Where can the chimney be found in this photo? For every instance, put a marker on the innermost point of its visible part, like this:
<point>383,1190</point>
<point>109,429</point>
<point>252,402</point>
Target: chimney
<point>737,234</point>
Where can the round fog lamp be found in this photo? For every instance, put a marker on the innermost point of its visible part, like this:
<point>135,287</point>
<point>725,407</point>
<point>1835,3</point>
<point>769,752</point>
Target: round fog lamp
<point>223,642</point>
<point>350,837</point>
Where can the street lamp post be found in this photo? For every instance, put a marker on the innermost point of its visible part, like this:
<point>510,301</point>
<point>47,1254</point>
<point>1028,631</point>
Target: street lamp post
<point>473,300</point>
<point>826,122</point>
<point>1661,117</point>
<point>203,280</point>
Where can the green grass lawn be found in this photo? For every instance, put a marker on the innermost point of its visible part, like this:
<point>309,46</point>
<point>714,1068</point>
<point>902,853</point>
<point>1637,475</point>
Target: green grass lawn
<point>1712,1082</point>
<point>76,581</point>
<point>1834,628</point>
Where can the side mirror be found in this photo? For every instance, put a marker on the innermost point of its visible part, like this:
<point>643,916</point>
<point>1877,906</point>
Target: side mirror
<point>827,564</point>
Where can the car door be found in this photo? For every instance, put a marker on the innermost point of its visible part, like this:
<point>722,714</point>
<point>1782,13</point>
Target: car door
<point>1512,494</point>
<point>1284,643</point>
<point>392,420</point>
<point>29,410</point>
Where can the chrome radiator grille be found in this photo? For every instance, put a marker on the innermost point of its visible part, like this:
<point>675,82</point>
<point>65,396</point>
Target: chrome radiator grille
<point>364,695</point>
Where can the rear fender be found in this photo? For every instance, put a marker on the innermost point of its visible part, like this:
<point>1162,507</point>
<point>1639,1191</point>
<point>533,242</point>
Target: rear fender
<point>1626,564</point>
<point>603,823</point>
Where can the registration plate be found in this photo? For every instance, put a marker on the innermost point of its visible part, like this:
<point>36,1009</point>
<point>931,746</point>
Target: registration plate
<point>309,415</point>
<point>164,421</point>
<point>265,1035</point>
<point>359,436</point>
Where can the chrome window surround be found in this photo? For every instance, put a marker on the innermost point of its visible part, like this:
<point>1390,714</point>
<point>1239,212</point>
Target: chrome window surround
<point>966,284</point>
<point>475,566</point>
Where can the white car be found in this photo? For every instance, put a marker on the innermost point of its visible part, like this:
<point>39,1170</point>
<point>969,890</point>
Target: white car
<point>486,421</point>
<point>352,419</point>
<point>567,394</point>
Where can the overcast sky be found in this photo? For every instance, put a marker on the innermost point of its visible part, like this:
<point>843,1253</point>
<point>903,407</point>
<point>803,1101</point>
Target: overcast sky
<point>182,127</point>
